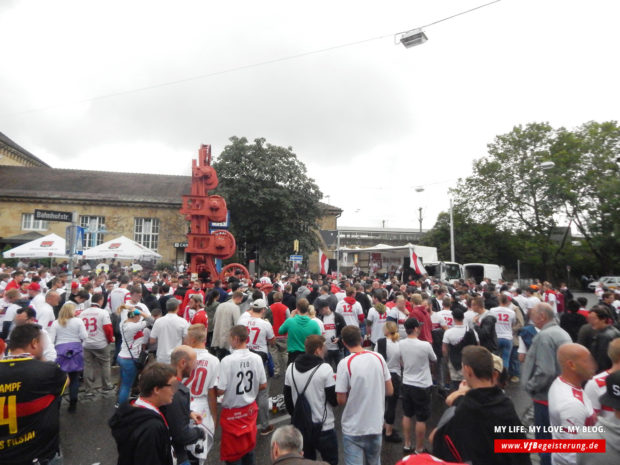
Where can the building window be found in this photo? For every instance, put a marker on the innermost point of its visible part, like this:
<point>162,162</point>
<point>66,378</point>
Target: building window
<point>146,232</point>
<point>94,230</point>
<point>30,224</point>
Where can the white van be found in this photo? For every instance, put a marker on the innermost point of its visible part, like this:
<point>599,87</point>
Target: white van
<point>445,271</point>
<point>479,271</point>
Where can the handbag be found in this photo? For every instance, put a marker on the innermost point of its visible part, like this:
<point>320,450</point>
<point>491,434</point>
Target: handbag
<point>139,362</point>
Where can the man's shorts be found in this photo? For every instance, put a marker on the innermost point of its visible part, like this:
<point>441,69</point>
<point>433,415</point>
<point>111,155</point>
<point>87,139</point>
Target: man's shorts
<point>416,402</point>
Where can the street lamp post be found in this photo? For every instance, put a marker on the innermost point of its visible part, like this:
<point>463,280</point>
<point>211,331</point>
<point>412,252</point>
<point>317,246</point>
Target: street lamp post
<point>451,233</point>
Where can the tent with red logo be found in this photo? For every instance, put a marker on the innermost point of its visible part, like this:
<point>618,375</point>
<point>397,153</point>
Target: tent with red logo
<point>50,246</point>
<point>121,248</point>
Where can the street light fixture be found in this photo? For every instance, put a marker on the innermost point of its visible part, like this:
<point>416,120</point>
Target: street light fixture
<point>412,38</point>
<point>452,254</point>
<point>546,165</point>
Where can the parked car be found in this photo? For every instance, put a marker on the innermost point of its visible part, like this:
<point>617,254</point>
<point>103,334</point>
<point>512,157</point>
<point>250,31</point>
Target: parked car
<point>610,282</point>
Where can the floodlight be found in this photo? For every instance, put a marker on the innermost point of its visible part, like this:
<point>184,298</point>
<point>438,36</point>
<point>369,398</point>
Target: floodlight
<point>412,38</point>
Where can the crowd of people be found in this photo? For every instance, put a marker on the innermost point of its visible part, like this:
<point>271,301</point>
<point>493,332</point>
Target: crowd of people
<point>195,356</point>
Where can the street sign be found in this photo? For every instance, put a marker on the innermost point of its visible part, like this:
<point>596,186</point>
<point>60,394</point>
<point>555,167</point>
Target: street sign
<point>74,240</point>
<point>53,215</point>
<point>296,258</point>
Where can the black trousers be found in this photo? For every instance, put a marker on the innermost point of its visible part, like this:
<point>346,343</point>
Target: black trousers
<point>390,402</point>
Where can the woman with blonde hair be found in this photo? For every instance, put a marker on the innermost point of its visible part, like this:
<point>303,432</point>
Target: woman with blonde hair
<point>389,348</point>
<point>67,334</point>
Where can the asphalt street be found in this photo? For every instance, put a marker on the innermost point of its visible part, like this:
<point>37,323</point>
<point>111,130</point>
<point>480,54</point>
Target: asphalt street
<point>86,438</point>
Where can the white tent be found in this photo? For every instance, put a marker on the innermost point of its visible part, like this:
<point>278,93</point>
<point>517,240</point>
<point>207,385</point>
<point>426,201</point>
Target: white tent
<point>48,246</point>
<point>121,248</point>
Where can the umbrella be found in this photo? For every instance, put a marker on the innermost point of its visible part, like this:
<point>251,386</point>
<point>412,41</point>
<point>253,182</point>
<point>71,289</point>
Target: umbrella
<point>48,246</point>
<point>121,248</point>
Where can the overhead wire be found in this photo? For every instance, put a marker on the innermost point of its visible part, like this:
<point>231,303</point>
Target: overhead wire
<point>233,69</point>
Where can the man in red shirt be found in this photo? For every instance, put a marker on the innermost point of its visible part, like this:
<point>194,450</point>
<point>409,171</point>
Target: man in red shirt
<point>420,312</point>
<point>279,313</point>
<point>16,282</point>
<point>196,304</point>
<point>196,289</point>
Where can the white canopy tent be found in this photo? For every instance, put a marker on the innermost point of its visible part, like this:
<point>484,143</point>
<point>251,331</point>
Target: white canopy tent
<point>121,248</point>
<point>50,246</point>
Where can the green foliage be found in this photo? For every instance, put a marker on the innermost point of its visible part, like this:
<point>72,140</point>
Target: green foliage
<point>271,200</point>
<point>509,197</point>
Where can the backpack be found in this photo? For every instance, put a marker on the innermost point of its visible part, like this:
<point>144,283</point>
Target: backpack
<point>455,352</point>
<point>302,414</point>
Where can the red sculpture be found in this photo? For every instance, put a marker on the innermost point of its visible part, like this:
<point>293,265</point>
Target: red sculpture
<point>200,209</point>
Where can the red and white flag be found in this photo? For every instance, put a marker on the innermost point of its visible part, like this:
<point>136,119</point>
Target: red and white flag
<point>416,263</point>
<point>323,263</point>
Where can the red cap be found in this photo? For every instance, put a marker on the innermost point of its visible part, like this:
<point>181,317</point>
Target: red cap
<point>74,285</point>
<point>34,287</point>
<point>84,281</point>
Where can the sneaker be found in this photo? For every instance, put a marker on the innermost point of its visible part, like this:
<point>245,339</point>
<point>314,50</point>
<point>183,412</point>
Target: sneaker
<point>394,437</point>
<point>408,450</point>
<point>267,431</point>
<point>514,379</point>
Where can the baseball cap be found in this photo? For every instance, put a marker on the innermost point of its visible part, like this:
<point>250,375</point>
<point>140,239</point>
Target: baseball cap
<point>412,323</point>
<point>498,364</point>
<point>258,304</point>
<point>612,397</point>
<point>34,287</point>
<point>74,285</point>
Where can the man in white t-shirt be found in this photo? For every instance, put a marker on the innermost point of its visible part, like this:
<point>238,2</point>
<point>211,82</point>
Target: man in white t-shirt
<point>399,315</point>
<point>505,320</point>
<point>96,354</point>
<point>415,356</point>
<point>168,331</point>
<point>451,342</point>
<point>531,299</point>
<point>242,376</point>
<point>362,382</point>
<point>595,388</point>
<point>119,295</point>
<point>201,382</point>
<point>445,311</point>
<point>260,338</point>
<point>45,311</point>
<point>569,407</point>
<point>36,296</point>
<point>310,371</point>
<point>350,309</point>
<point>549,296</point>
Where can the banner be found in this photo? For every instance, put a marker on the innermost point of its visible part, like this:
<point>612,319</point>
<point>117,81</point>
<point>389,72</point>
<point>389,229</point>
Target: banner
<point>323,262</point>
<point>416,263</point>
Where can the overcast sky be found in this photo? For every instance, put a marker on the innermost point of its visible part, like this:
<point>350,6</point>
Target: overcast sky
<point>370,121</point>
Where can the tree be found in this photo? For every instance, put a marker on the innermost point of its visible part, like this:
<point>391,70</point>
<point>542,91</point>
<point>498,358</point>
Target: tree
<point>271,200</point>
<point>509,189</point>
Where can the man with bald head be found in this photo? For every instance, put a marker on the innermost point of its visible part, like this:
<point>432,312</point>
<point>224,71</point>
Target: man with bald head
<point>178,413</point>
<point>569,408</point>
<point>541,366</point>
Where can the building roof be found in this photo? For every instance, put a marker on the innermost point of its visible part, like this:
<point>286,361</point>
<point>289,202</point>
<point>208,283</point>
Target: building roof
<point>4,140</point>
<point>101,187</point>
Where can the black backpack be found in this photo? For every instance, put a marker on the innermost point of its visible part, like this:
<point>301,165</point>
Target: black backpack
<point>302,414</point>
<point>455,351</point>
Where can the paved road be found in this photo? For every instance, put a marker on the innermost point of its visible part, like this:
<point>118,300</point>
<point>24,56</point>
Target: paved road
<point>86,438</point>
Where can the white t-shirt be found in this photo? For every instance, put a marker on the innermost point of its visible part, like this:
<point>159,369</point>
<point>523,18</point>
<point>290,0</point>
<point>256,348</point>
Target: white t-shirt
<point>241,373</point>
<point>37,301</point>
<point>447,317</point>
<point>139,306</point>
<point>45,315</point>
<point>95,319</point>
<point>400,318</point>
<point>468,318</point>
<point>415,356</point>
<point>203,378</point>
<point>169,330</point>
<point>455,334</point>
<point>377,322</point>
<point>594,389</point>
<point>522,302</point>
<point>571,409</point>
<point>133,336</point>
<point>315,392</point>
<point>10,313</point>
<point>350,312</point>
<point>321,325</point>
<point>437,321</point>
<point>363,376</point>
<point>73,331</point>
<point>117,297</point>
<point>505,318</point>
<point>531,302</point>
<point>392,350</point>
<point>552,300</point>
<point>329,323</point>
<point>259,332</point>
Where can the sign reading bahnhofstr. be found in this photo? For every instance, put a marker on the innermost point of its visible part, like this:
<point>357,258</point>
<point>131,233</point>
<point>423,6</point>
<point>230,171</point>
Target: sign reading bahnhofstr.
<point>52,215</point>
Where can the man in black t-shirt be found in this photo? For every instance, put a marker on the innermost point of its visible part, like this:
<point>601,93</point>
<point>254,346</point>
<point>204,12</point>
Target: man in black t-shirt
<point>30,393</point>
